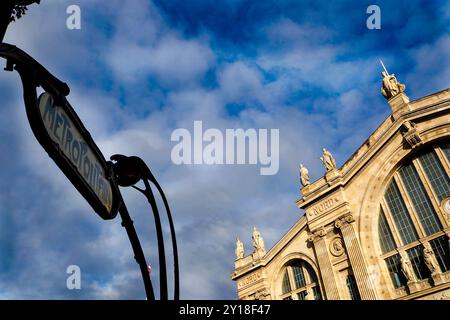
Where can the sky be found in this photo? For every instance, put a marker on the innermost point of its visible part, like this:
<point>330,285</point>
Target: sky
<point>140,70</point>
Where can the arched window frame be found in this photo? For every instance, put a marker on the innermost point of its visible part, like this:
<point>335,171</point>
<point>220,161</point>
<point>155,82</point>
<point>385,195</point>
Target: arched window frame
<point>311,287</point>
<point>444,160</point>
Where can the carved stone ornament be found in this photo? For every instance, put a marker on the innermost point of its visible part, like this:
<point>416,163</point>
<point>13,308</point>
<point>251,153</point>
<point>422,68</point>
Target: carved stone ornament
<point>318,233</point>
<point>442,296</point>
<point>261,294</point>
<point>337,247</point>
<point>410,134</point>
<point>343,220</point>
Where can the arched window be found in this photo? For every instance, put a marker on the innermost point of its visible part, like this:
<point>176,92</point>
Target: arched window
<point>300,282</point>
<point>411,215</point>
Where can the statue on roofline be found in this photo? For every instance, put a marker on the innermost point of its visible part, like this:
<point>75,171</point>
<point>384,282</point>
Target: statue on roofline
<point>239,249</point>
<point>328,160</point>
<point>304,175</point>
<point>391,87</point>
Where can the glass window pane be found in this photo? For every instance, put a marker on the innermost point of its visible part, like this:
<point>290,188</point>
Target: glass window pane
<point>311,273</point>
<point>317,294</point>
<point>420,199</point>
<point>436,174</point>
<point>302,295</point>
<point>352,288</point>
<point>441,250</point>
<point>386,240</point>
<point>400,214</point>
<point>299,276</point>
<point>416,257</point>
<point>300,281</point>
<point>395,271</point>
<point>446,149</point>
<point>286,284</point>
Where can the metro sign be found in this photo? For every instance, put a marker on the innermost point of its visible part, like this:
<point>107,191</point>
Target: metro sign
<point>73,149</point>
<point>61,133</point>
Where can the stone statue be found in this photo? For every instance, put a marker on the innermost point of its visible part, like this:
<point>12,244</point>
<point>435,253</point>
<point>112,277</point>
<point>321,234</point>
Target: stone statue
<point>304,175</point>
<point>391,87</point>
<point>406,269</point>
<point>239,249</point>
<point>328,160</point>
<point>258,242</point>
<point>429,261</point>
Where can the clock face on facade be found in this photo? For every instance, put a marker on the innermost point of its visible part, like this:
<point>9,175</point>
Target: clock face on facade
<point>446,205</point>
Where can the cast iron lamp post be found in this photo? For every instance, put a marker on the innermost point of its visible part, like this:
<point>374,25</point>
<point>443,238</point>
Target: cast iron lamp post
<point>11,10</point>
<point>34,75</point>
<point>129,171</point>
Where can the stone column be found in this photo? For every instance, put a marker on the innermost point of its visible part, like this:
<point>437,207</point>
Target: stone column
<point>325,267</point>
<point>355,256</point>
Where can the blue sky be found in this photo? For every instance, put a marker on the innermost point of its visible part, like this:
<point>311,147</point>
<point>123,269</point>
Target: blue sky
<point>140,70</point>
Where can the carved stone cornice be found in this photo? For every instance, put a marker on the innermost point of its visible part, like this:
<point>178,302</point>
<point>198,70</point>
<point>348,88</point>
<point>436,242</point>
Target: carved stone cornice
<point>344,220</point>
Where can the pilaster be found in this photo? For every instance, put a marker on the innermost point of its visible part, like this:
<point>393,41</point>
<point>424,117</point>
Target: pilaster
<point>356,258</point>
<point>325,267</point>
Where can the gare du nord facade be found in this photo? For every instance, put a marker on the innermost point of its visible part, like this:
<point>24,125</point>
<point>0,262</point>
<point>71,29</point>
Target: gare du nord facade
<point>376,228</point>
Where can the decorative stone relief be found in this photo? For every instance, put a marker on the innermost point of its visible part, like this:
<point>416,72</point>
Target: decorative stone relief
<point>261,294</point>
<point>410,134</point>
<point>318,233</point>
<point>343,220</point>
<point>336,247</point>
<point>324,206</point>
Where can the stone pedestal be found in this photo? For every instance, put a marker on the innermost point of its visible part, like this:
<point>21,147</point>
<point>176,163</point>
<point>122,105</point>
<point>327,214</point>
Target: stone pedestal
<point>305,190</point>
<point>399,104</point>
<point>438,278</point>
<point>240,263</point>
<point>331,175</point>
<point>258,254</point>
<point>413,287</point>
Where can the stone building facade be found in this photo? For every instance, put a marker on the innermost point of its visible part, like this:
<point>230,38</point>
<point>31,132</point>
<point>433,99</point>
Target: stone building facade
<point>376,228</point>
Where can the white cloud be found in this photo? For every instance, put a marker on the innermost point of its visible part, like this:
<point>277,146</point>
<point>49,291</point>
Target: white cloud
<point>171,60</point>
<point>158,51</point>
<point>239,81</point>
<point>211,204</point>
<point>431,69</point>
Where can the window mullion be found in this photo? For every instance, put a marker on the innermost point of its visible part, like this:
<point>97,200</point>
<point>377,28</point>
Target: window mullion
<point>433,198</point>
<point>306,275</point>
<point>291,279</point>
<point>409,206</point>
<point>445,162</point>
<point>391,223</point>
